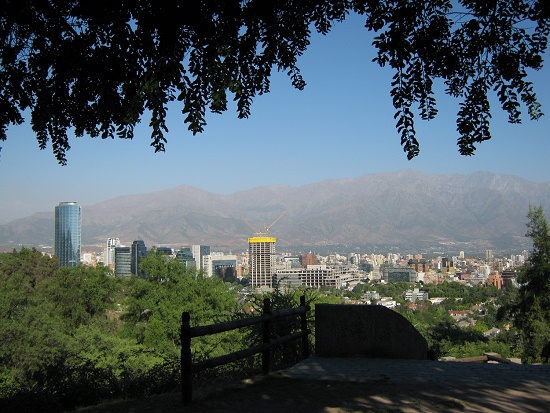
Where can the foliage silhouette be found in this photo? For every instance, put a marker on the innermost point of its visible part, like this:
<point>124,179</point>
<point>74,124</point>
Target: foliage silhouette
<point>98,67</point>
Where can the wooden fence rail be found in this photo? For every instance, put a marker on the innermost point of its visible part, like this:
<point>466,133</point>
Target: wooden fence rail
<point>188,332</point>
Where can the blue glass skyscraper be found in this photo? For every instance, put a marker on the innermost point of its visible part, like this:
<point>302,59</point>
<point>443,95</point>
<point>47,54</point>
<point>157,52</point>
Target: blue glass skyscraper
<point>139,250</point>
<point>67,234</point>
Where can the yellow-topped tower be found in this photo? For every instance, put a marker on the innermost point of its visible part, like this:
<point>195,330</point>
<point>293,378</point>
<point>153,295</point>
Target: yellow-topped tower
<point>261,255</point>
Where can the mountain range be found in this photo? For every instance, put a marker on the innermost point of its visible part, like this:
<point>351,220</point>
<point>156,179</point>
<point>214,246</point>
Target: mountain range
<point>405,210</point>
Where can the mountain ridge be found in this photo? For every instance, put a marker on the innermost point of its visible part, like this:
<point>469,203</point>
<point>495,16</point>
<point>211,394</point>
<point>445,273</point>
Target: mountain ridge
<point>404,209</point>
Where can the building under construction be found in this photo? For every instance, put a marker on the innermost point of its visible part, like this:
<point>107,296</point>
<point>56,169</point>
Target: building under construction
<point>261,255</point>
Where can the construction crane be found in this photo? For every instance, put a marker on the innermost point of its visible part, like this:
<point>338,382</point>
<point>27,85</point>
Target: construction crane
<point>258,232</point>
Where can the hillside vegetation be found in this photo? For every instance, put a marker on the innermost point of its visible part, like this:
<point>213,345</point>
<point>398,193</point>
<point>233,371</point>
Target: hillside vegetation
<point>72,337</point>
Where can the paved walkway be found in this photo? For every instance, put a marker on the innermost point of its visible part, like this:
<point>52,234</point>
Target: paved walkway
<point>344,385</point>
<point>418,371</point>
<point>475,387</point>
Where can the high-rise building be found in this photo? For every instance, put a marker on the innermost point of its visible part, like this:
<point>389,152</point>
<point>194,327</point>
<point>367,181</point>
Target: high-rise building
<point>199,251</point>
<point>139,250</point>
<point>109,254</point>
<point>123,261</point>
<point>185,256</point>
<point>67,233</point>
<point>261,252</point>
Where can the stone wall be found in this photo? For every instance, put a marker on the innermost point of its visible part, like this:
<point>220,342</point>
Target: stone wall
<point>366,331</point>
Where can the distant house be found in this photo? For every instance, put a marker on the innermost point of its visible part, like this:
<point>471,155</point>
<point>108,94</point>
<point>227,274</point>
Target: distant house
<point>459,314</point>
<point>387,302</point>
<point>467,323</point>
<point>415,295</point>
<point>492,332</point>
<point>371,295</point>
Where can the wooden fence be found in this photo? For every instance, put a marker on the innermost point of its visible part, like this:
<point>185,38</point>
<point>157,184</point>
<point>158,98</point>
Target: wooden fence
<point>188,332</point>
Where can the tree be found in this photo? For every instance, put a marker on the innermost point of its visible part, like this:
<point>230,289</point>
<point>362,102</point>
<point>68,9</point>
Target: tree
<point>154,304</point>
<point>531,310</point>
<point>32,265</point>
<point>97,67</point>
<point>74,336</point>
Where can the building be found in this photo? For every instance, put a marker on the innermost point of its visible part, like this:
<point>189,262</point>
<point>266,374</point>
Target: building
<point>123,261</point>
<point>198,252</point>
<point>371,296</point>
<point>88,258</point>
<point>508,276</point>
<point>419,265</point>
<point>290,261</point>
<point>316,276</point>
<point>139,250</point>
<point>308,259</point>
<point>447,266</point>
<point>185,256</point>
<point>164,250</point>
<point>393,274</point>
<point>109,254</point>
<point>387,302</point>
<point>67,233</point>
<point>261,252</point>
<point>415,295</point>
<point>496,280</point>
<point>224,266</point>
<point>484,270</point>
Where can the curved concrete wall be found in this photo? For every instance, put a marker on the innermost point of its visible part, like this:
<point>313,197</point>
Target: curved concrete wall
<point>366,331</point>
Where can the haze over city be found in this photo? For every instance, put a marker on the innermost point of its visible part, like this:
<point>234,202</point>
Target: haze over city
<point>340,126</point>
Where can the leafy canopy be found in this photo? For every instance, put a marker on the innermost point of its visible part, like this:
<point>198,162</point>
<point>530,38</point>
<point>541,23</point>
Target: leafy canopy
<point>530,311</point>
<point>96,67</point>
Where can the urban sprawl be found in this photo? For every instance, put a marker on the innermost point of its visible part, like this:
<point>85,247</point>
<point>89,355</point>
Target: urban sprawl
<point>262,269</point>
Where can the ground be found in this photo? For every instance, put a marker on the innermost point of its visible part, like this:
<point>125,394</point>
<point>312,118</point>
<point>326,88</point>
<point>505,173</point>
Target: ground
<point>278,393</point>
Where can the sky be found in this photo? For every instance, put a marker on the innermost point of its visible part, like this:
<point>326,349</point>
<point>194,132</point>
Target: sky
<point>340,126</point>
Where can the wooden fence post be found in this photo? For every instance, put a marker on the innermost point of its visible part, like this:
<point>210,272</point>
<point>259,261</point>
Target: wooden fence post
<point>186,377</point>
<point>303,318</point>
<point>187,366</point>
<point>266,338</point>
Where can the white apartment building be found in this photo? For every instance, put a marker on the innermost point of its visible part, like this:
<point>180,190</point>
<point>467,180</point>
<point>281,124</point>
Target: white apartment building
<point>315,276</point>
<point>109,254</point>
<point>415,295</point>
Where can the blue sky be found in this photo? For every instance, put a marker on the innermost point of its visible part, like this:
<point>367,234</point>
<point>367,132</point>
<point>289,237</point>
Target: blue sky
<point>340,126</point>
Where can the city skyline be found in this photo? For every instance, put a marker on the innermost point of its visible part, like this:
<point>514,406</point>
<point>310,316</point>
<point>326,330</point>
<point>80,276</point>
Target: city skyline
<point>267,267</point>
<point>340,126</point>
